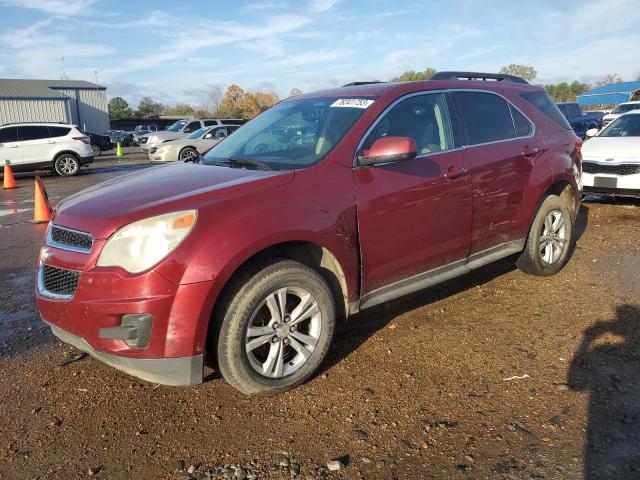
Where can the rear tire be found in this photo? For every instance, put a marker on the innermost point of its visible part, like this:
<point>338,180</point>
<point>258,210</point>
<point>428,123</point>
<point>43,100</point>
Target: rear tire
<point>260,350</point>
<point>549,241</point>
<point>66,165</point>
<point>96,150</point>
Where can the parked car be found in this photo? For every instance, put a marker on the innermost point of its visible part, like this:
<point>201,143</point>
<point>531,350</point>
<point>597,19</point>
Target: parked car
<point>118,136</point>
<point>620,109</point>
<point>191,146</point>
<point>180,129</point>
<point>612,157</point>
<point>141,130</point>
<point>251,257</point>
<point>99,143</point>
<point>59,147</point>
<point>580,122</point>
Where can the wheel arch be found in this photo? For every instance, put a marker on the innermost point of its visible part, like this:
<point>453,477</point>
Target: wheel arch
<point>63,152</point>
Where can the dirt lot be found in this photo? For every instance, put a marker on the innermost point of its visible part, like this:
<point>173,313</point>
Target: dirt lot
<point>494,375</point>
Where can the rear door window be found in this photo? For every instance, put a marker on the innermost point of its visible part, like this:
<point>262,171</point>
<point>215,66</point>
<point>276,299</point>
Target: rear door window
<point>487,117</point>
<point>9,134</point>
<point>542,102</point>
<point>33,132</point>
<point>425,118</point>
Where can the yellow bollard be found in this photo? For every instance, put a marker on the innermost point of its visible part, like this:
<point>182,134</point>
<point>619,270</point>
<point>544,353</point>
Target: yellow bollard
<point>119,150</point>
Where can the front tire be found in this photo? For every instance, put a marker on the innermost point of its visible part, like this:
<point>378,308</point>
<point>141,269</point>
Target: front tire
<point>66,165</point>
<point>188,153</point>
<point>276,328</point>
<point>549,241</point>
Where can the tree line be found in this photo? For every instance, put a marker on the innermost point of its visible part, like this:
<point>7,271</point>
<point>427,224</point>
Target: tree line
<point>234,103</point>
<point>239,103</point>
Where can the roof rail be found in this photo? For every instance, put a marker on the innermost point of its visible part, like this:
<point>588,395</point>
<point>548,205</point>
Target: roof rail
<point>499,77</point>
<point>36,122</point>
<point>354,84</point>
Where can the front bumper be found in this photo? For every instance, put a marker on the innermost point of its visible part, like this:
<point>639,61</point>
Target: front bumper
<point>103,298</point>
<point>166,371</point>
<point>162,156</point>
<point>610,183</point>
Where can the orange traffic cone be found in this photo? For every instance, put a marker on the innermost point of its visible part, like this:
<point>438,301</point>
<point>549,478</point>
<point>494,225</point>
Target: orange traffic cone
<point>41,209</point>
<point>9,181</point>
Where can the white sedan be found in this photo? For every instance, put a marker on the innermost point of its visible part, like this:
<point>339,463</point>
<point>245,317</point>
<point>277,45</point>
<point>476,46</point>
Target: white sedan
<point>191,146</point>
<point>611,158</point>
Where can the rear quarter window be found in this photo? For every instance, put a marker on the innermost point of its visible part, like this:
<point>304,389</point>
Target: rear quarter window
<point>542,102</point>
<point>59,131</point>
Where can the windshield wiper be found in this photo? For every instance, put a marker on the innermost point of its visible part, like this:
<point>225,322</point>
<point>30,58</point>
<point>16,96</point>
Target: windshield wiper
<point>243,162</point>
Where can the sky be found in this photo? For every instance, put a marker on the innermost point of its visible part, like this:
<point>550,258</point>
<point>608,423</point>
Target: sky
<point>177,51</point>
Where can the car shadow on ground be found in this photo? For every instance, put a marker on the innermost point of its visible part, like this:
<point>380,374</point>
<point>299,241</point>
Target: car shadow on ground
<point>607,366</point>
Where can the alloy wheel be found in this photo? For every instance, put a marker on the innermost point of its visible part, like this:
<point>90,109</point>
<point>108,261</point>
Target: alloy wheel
<point>283,332</point>
<point>553,240</point>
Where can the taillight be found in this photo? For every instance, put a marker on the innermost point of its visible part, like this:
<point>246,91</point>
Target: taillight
<point>579,146</point>
<point>86,140</point>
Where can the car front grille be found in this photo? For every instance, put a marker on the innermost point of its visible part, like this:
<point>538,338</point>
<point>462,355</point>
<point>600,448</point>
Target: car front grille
<point>59,281</point>
<point>621,169</point>
<point>71,238</point>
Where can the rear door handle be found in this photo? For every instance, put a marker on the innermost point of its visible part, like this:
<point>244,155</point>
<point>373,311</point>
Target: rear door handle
<point>531,153</point>
<point>455,171</point>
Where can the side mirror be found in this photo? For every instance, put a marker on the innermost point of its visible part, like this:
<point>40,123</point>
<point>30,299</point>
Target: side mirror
<point>208,135</point>
<point>389,149</point>
<point>592,132</point>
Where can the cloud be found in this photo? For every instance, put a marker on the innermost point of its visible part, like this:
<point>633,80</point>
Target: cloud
<point>61,8</point>
<point>319,6</point>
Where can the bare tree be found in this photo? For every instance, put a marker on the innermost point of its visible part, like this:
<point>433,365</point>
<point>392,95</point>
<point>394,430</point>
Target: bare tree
<point>607,79</point>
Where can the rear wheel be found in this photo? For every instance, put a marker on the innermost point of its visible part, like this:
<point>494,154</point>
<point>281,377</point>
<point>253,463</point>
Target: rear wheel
<point>66,165</point>
<point>276,328</point>
<point>96,150</point>
<point>549,241</point>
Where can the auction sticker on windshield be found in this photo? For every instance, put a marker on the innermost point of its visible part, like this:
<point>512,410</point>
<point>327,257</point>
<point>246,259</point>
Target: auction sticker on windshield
<point>352,103</point>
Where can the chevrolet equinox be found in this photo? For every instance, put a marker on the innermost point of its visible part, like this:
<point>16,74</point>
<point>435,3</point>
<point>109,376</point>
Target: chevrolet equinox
<point>324,205</point>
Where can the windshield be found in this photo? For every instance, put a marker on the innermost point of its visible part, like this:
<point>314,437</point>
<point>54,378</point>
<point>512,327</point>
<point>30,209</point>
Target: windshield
<point>624,126</point>
<point>291,135</point>
<point>176,127</point>
<point>199,133</point>
<point>626,107</point>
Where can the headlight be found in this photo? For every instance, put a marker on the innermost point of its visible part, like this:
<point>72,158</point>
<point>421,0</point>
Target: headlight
<point>142,244</point>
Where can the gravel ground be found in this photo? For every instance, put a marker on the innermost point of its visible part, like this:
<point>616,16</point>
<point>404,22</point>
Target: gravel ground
<point>493,375</point>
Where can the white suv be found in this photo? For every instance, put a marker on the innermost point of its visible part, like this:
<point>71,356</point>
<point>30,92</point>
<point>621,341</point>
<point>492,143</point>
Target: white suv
<point>181,129</point>
<point>620,109</point>
<point>34,146</point>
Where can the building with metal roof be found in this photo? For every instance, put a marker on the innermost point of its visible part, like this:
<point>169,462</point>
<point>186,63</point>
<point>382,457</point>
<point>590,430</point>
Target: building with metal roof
<point>612,93</point>
<point>67,101</point>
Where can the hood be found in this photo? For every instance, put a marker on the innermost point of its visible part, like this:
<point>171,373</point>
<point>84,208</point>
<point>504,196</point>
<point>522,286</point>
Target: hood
<point>105,207</point>
<point>163,135</point>
<point>182,142</point>
<point>619,149</point>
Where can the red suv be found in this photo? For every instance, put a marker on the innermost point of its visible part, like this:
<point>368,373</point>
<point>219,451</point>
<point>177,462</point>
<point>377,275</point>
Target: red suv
<point>324,205</point>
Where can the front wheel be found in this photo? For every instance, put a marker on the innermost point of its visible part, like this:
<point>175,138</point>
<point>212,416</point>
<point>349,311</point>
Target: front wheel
<point>66,165</point>
<point>549,241</point>
<point>276,328</point>
<point>188,153</point>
